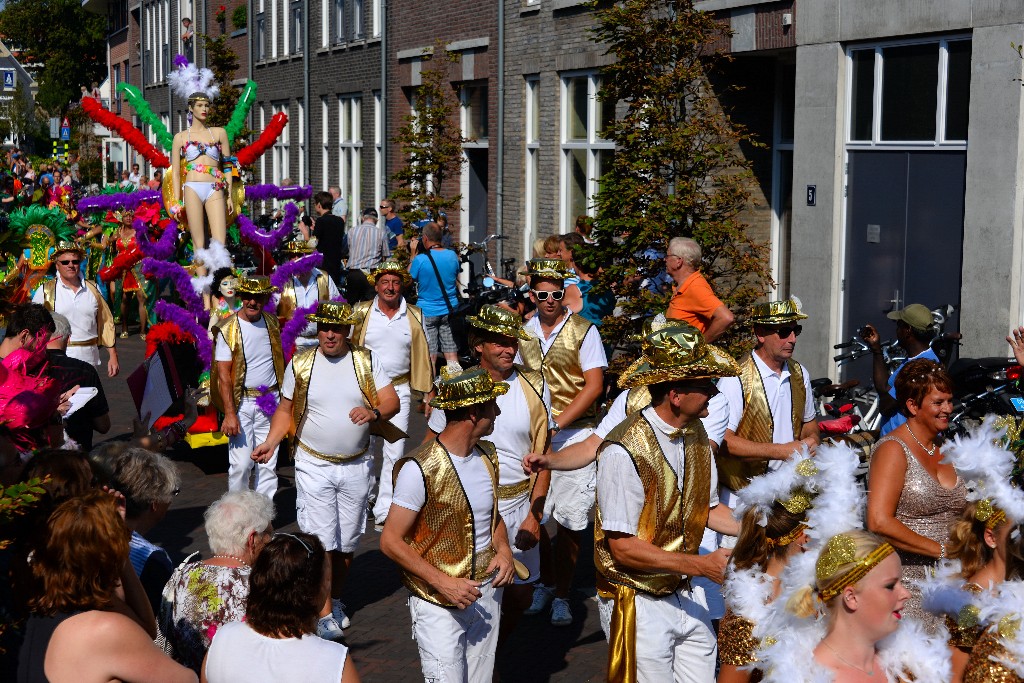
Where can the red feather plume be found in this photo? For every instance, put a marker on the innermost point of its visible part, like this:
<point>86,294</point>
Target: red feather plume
<point>250,153</point>
<point>108,119</point>
<point>122,262</point>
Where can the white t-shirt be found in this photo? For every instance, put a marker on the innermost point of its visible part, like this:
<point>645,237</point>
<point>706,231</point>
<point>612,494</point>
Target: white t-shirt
<point>591,350</point>
<point>714,423</point>
<point>390,339</point>
<point>333,393</point>
<point>78,306</point>
<point>620,493</point>
<point>779,396</point>
<point>259,360</point>
<point>511,436</point>
<point>238,653</point>
<point>411,493</point>
<point>308,295</point>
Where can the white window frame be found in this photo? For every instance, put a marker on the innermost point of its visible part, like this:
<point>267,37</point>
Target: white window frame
<point>263,157</point>
<point>357,32</point>
<point>593,146</point>
<point>325,141</point>
<point>302,140</point>
<point>378,149</point>
<point>281,151</point>
<point>376,19</point>
<point>325,23</point>
<point>293,7</point>
<point>350,145</point>
<point>941,100</point>
<point>338,23</point>
<point>531,200</point>
<point>273,29</point>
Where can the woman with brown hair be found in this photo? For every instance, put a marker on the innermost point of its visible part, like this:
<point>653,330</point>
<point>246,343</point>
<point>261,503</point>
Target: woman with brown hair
<point>914,497</point>
<point>277,643</point>
<point>90,617</point>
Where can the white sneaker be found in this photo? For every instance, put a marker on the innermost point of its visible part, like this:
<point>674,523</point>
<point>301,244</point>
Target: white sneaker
<point>561,615</point>
<point>542,596</point>
<point>328,628</point>
<point>338,612</point>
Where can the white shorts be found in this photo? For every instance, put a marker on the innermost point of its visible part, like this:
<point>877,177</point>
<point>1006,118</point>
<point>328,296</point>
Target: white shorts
<point>457,645</point>
<point>513,512</point>
<point>331,499</point>
<point>571,494</point>
<point>674,637</point>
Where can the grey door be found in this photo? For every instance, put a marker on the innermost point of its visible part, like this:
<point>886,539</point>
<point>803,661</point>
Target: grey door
<point>904,236</point>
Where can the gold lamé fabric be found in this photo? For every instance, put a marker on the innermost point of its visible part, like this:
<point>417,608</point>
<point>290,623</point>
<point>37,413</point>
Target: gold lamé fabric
<point>230,332</point>
<point>287,303</point>
<point>562,369</point>
<point>670,519</point>
<point>621,631</point>
<point>928,509</point>
<point>736,642</point>
<point>421,370</point>
<point>302,370</point>
<point>980,667</point>
<point>964,629</point>
<point>757,423</point>
<point>443,531</point>
<point>637,399</point>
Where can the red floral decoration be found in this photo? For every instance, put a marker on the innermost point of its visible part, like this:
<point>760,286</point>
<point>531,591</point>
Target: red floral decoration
<point>132,135</point>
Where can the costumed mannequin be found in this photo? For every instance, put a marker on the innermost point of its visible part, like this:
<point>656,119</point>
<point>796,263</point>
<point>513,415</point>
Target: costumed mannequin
<point>225,284</point>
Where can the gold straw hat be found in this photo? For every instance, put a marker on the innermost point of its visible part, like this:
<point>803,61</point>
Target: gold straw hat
<point>66,246</point>
<point>298,248</point>
<point>257,284</point>
<point>776,312</point>
<point>334,313</point>
<point>500,321</point>
<point>678,353</point>
<point>548,268</point>
<point>390,266</point>
<point>460,389</point>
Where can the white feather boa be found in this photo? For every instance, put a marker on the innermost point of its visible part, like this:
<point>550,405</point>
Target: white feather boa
<point>748,593</point>
<point>943,592</point>
<point>1006,602</point>
<point>762,492</point>
<point>213,258</point>
<point>985,466</point>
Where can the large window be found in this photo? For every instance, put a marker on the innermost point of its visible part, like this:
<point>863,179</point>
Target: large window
<point>474,112</point>
<point>350,143</point>
<point>378,149</point>
<point>376,18</point>
<point>357,19</point>
<point>259,46</point>
<point>531,129</point>
<point>910,93</point>
<point>115,72</point>
<point>339,20</point>
<point>302,141</point>
<point>325,141</point>
<point>280,152</point>
<point>296,27</point>
<point>585,154</point>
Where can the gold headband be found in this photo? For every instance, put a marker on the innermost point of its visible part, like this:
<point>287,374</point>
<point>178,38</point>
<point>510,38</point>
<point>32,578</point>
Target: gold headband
<point>839,551</point>
<point>783,541</point>
<point>985,511</point>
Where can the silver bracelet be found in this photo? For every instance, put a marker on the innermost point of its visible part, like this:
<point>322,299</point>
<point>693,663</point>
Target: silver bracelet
<point>942,551</point>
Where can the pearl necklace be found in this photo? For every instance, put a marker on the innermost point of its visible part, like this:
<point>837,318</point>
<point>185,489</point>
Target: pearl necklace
<point>840,658</point>
<point>929,451</point>
<point>236,559</point>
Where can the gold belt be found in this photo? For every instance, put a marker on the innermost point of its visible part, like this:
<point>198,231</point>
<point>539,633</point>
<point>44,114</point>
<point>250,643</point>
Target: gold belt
<point>482,562</point>
<point>85,342</point>
<point>330,458</point>
<point>400,380</point>
<point>509,491</point>
<point>249,392</point>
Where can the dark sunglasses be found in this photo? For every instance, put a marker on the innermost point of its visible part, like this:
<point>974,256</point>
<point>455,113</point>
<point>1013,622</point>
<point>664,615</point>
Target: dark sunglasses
<point>73,262</point>
<point>784,332</point>
<point>543,295</point>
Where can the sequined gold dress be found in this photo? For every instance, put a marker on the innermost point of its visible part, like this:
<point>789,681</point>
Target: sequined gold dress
<point>929,509</point>
<point>981,668</point>
<point>736,643</point>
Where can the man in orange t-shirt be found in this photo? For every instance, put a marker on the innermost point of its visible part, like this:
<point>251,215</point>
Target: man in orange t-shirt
<point>693,300</point>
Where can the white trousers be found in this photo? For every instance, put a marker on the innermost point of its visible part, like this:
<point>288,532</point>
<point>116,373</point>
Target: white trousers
<point>457,645</point>
<point>571,494</point>
<point>674,637</point>
<point>513,512</point>
<point>253,429</point>
<point>88,354</point>
<point>331,498</point>
<point>392,453</point>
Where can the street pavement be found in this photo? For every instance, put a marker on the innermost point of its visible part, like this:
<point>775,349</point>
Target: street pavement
<point>380,635</point>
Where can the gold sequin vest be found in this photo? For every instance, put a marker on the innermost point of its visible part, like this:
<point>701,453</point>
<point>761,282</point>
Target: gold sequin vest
<point>302,370</point>
<point>561,368</point>
<point>231,333</point>
<point>421,370</point>
<point>286,306</point>
<point>671,519</point>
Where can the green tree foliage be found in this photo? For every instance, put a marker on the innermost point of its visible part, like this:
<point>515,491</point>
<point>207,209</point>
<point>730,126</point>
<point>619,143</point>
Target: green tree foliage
<point>431,143</point>
<point>677,168</point>
<point>68,41</point>
<point>223,62</point>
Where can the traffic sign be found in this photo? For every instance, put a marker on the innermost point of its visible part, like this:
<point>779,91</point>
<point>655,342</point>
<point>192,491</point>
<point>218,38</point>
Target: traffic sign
<point>65,133</point>
<point>9,81</point>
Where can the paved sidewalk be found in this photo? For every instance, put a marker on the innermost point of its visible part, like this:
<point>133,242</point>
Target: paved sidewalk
<point>380,633</point>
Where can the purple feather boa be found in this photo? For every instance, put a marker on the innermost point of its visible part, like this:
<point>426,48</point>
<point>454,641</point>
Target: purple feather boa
<point>182,283</point>
<point>290,330</point>
<point>187,322</point>
<point>259,193</point>
<point>163,248</point>
<point>285,271</point>
<point>267,400</point>
<point>269,241</point>
<point>120,200</point>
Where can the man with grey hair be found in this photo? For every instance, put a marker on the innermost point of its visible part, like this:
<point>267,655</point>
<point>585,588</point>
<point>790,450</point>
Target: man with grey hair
<point>71,372</point>
<point>693,300</point>
<point>340,206</point>
<point>149,482</point>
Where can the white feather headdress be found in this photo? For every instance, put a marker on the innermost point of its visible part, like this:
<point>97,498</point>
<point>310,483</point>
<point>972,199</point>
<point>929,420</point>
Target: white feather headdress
<point>986,466</point>
<point>187,79</point>
<point>776,485</point>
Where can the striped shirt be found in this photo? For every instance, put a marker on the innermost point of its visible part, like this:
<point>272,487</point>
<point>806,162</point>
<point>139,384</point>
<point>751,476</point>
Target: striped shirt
<point>367,246</point>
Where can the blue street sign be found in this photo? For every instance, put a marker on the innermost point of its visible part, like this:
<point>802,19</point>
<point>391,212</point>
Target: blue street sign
<point>9,82</point>
<point>65,133</point>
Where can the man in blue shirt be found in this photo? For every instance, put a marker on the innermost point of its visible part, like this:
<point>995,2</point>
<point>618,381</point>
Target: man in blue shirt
<point>436,286</point>
<point>394,224</point>
<point>914,332</point>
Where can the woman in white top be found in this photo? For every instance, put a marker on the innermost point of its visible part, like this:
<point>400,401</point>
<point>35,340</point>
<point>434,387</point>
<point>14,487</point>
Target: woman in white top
<point>277,643</point>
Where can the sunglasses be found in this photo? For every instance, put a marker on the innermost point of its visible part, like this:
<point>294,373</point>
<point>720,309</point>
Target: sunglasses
<point>309,551</point>
<point>72,262</point>
<point>784,332</point>
<point>543,295</point>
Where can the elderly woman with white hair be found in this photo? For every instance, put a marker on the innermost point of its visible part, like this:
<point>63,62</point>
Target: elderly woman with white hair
<point>202,596</point>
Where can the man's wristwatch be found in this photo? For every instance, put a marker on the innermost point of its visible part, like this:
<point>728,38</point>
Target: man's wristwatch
<point>376,415</point>
<point>556,428</point>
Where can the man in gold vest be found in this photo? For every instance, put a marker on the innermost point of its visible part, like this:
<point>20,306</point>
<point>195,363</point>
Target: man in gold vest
<point>521,427</point>
<point>771,408</point>
<point>446,534</point>
<point>302,290</point>
<point>657,490</point>
<point>78,300</point>
<point>567,349</point>
<point>393,329</point>
<point>248,366</point>
<point>332,393</point>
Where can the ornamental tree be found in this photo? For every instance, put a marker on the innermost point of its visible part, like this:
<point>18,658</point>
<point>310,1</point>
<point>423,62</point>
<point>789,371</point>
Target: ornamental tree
<point>677,168</point>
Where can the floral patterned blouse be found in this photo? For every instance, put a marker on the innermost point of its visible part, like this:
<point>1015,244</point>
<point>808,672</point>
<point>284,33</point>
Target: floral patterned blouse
<point>196,601</point>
